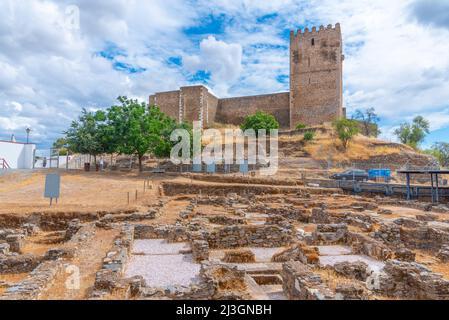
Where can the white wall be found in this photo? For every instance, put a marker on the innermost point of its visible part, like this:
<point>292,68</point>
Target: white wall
<point>17,155</point>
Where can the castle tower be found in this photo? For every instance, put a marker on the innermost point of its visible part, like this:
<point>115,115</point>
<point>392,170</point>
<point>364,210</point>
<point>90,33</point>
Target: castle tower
<point>316,76</point>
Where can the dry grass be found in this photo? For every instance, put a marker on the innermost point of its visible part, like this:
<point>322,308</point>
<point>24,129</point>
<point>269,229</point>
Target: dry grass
<point>326,147</point>
<point>22,192</point>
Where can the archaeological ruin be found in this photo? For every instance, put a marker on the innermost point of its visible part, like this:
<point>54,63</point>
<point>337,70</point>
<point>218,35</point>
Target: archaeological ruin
<point>219,240</point>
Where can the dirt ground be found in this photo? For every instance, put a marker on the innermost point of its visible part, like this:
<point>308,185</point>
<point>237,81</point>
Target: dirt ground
<point>23,192</point>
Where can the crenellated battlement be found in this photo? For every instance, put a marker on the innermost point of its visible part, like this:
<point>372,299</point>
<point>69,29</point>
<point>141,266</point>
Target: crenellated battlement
<point>315,31</point>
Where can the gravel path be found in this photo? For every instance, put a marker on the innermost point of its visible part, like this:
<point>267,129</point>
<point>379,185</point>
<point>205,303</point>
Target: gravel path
<point>162,265</point>
<point>334,250</point>
<point>164,271</point>
<point>158,247</point>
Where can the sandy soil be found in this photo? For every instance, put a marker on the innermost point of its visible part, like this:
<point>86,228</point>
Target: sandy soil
<point>23,192</point>
<point>89,260</point>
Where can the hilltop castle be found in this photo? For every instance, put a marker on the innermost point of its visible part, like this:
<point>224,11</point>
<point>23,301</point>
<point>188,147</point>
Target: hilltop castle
<point>315,97</point>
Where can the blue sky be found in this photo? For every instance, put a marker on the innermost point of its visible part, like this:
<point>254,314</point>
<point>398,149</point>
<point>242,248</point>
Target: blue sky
<point>57,57</point>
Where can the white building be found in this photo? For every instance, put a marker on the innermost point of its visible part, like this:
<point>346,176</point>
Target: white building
<point>16,155</point>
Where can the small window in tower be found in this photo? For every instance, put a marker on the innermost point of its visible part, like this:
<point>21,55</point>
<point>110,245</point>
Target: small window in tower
<point>309,61</point>
<point>313,42</point>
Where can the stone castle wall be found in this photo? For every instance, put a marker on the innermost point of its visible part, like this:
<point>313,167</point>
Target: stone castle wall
<point>194,103</point>
<point>168,102</point>
<point>315,97</point>
<point>316,61</point>
<point>235,110</point>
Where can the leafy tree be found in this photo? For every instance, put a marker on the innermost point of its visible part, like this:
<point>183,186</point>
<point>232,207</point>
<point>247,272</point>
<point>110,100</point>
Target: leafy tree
<point>139,129</point>
<point>300,126</point>
<point>413,134</point>
<point>346,130</point>
<point>440,150</point>
<point>61,145</point>
<point>260,121</point>
<point>309,136</point>
<point>82,136</point>
<point>369,120</point>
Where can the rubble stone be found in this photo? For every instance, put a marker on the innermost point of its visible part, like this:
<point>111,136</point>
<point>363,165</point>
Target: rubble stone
<point>353,291</point>
<point>298,252</point>
<point>239,256</point>
<point>411,280</point>
<point>300,283</point>
<point>200,250</point>
<point>443,254</point>
<point>404,254</point>
<point>354,270</point>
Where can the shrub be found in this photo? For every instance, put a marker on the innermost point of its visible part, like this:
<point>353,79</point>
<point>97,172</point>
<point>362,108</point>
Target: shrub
<point>346,130</point>
<point>300,126</point>
<point>309,136</point>
<point>260,121</point>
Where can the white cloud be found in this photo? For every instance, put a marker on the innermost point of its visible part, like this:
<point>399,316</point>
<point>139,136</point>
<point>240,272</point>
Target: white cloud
<point>222,60</point>
<point>396,59</point>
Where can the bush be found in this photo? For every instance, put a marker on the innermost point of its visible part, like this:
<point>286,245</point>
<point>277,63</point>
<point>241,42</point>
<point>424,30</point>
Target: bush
<point>260,121</point>
<point>300,126</point>
<point>309,136</point>
<point>346,130</point>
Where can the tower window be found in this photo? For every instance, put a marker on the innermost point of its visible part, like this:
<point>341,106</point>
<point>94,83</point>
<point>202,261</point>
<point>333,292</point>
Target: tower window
<point>313,42</point>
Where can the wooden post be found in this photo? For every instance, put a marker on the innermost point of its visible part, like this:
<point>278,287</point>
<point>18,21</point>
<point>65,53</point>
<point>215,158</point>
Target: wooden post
<point>136,195</point>
<point>128,198</point>
<point>144,186</point>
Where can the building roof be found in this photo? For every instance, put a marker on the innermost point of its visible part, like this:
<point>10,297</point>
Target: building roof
<point>14,142</point>
<point>424,171</point>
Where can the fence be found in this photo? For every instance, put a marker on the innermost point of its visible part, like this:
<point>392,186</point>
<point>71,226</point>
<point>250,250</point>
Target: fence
<point>52,159</point>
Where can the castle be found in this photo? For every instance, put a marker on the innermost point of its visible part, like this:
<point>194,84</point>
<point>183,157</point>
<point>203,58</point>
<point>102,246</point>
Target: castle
<point>315,97</point>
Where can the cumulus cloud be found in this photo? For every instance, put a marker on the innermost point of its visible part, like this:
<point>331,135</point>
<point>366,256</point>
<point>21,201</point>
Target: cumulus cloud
<point>434,12</point>
<point>222,60</point>
<point>396,55</point>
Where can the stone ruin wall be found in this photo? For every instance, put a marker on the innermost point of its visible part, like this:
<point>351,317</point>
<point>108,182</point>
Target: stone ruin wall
<point>235,110</point>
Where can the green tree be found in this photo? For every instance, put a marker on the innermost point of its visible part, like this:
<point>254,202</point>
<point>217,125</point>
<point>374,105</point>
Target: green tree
<point>369,121</point>
<point>61,145</point>
<point>413,134</point>
<point>260,121</point>
<point>440,150</point>
<point>139,129</point>
<point>82,136</point>
<point>346,130</point>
